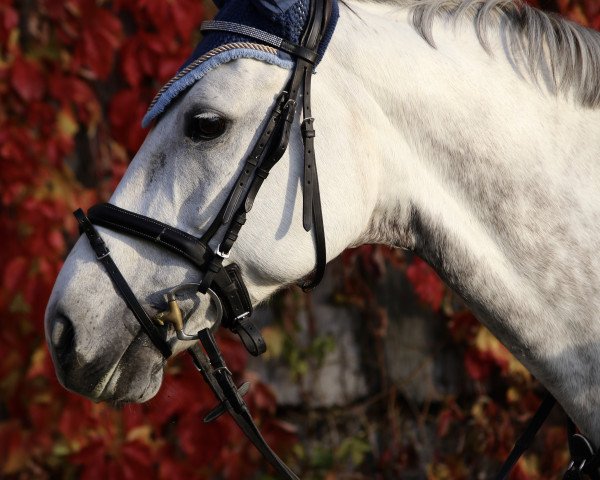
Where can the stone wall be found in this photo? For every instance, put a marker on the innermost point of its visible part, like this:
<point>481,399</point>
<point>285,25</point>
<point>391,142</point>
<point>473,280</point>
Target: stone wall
<point>410,355</point>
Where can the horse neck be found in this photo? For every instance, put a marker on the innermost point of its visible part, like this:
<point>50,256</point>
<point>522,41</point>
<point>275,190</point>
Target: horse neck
<point>494,181</point>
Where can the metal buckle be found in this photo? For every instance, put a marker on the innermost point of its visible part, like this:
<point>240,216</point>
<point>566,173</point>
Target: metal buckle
<point>219,253</point>
<point>575,472</point>
<point>581,452</point>
<point>242,316</point>
<point>281,101</point>
<point>307,128</point>
<point>174,314</point>
<point>223,369</point>
<point>104,255</point>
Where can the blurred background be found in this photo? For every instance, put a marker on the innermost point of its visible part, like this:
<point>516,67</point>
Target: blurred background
<point>381,373</point>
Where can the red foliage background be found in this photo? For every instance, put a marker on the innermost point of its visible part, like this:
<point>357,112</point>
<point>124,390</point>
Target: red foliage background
<point>75,79</point>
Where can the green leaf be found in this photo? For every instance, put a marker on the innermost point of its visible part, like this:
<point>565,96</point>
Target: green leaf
<point>354,449</point>
<point>322,458</point>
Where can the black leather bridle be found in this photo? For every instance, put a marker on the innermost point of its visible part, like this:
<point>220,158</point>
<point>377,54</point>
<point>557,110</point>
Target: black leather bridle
<point>223,283</point>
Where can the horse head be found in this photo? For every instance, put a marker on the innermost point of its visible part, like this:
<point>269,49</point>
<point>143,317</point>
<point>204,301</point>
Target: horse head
<point>208,120</point>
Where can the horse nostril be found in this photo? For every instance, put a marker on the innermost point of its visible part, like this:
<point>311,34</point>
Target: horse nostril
<point>62,338</point>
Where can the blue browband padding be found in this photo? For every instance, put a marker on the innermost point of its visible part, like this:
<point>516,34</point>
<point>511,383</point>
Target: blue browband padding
<point>265,23</point>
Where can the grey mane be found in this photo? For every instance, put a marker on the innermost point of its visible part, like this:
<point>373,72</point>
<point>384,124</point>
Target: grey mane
<point>564,54</point>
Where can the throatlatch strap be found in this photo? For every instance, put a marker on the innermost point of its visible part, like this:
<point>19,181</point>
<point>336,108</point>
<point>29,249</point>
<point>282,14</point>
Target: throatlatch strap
<point>103,255</point>
<point>312,212</point>
<point>319,231</point>
<point>308,136</point>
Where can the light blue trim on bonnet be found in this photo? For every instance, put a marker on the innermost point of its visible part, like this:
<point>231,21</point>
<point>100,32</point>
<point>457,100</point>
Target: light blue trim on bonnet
<point>201,70</point>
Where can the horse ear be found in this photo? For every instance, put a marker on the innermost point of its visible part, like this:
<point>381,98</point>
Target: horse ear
<point>270,7</point>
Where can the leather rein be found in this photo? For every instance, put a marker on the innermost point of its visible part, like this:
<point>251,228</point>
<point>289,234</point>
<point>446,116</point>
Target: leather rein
<point>224,283</point>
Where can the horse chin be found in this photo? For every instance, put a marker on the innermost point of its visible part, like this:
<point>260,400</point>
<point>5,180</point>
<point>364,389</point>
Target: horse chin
<point>125,384</point>
<point>117,392</point>
<point>135,377</point>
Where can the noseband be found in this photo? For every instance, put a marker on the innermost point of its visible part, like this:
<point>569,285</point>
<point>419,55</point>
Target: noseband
<point>224,283</point>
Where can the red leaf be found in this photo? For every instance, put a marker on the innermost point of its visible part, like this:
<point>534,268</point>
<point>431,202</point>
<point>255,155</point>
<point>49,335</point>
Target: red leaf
<point>427,285</point>
<point>192,433</point>
<point>27,79</point>
<point>137,461</point>
<point>130,64</point>
<point>175,469</point>
<point>444,420</point>
<point>93,461</point>
<point>101,33</point>
<point>126,112</point>
<point>234,352</point>
<point>9,19</point>
<point>280,433</point>
<point>185,16</point>
<point>133,416</point>
<point>180,394</point>
<point>478,368</point>
<point>77,419</point>
<point>261,397</point>
<point>463,326</point>
<point>13,452</point>
<point>14,274</point>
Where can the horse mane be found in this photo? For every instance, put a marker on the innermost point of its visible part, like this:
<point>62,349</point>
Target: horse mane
<point>565,54</point>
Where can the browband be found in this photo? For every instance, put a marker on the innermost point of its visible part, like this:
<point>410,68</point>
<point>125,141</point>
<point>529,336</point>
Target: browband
<point>298,51</point>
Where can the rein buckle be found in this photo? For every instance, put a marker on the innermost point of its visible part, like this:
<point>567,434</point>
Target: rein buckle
<point>220,409</point>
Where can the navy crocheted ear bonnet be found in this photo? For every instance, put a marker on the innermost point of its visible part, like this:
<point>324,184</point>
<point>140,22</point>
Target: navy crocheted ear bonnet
<point>284,18</point>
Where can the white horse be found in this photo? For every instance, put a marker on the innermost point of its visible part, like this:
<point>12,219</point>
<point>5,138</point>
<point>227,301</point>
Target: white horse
<point>467,131</point>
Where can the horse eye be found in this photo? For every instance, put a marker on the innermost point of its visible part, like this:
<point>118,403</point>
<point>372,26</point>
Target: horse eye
<point>205,126</point>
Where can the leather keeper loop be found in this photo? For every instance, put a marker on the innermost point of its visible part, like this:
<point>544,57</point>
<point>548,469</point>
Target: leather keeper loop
<point>250,337</point>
